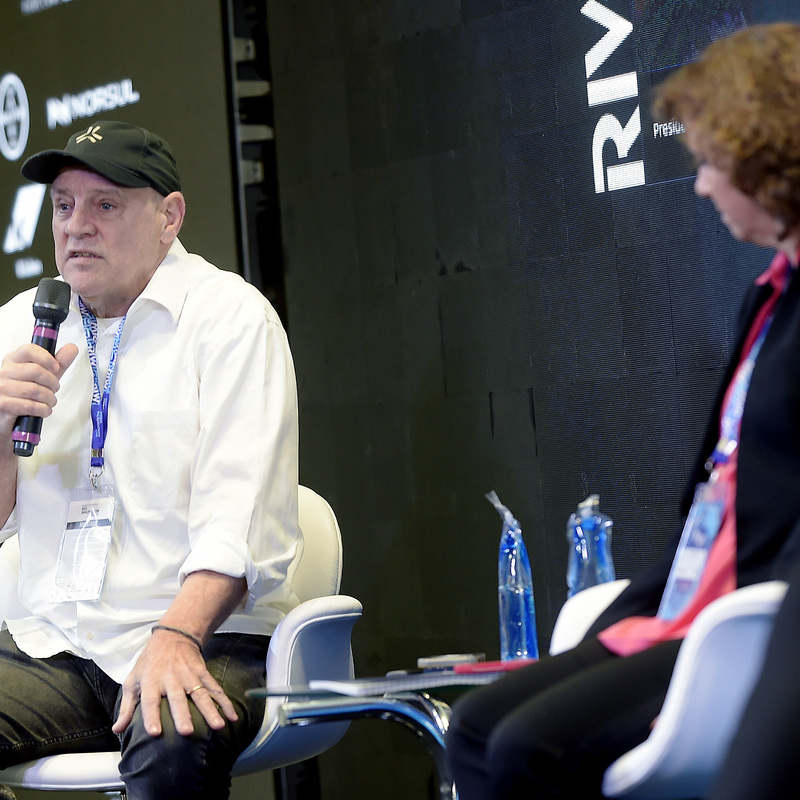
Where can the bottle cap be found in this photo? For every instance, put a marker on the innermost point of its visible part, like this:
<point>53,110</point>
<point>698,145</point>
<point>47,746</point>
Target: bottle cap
<point>507,516</point>
<point>588,505</point>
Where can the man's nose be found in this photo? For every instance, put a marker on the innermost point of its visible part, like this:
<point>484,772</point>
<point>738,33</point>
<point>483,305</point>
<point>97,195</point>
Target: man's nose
<point>79,223</point>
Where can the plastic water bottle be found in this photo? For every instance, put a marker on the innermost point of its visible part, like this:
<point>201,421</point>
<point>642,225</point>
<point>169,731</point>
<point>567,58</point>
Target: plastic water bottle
<point>514,590</point>
<point>589,537</point>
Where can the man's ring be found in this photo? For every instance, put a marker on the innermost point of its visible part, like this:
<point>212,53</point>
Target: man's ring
<point>199,686</point>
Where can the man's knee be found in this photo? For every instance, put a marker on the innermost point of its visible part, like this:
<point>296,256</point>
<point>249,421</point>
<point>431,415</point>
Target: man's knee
<point>176,766</point>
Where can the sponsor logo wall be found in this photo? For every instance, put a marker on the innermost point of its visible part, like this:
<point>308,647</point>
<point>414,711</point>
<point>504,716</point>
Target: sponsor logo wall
<point>68,62</point>
<point>15,124</point>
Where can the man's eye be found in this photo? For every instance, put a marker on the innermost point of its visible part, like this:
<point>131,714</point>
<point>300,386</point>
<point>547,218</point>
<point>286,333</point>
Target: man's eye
<point>106,206</point>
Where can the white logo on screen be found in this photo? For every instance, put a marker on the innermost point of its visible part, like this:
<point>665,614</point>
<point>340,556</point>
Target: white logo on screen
<point>35,6</point>
<point>609,90</point>
<point>24,218</point>
<point>66,109</point>
<point>15,117</point>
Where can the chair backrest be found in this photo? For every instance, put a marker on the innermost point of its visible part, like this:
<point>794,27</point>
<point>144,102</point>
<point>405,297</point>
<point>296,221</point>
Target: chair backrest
<point>579,613</point>
<point>317,569</point>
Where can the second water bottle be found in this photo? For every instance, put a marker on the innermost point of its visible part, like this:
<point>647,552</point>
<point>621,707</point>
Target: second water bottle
<point>589,537</point>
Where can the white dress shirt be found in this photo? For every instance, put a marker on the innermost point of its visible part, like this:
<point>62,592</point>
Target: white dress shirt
<point>201,449</point>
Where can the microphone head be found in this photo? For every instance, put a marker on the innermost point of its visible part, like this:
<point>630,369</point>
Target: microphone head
<point>51,303</point>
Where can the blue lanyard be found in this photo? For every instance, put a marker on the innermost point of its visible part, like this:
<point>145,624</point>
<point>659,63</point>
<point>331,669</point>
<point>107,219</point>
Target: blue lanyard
<point>99,409</point>
<point>731,419</point>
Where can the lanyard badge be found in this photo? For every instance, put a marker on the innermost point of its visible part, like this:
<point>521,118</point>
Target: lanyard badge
<point>701,528</point>
<point>85,545</point>
<point>86,539</point>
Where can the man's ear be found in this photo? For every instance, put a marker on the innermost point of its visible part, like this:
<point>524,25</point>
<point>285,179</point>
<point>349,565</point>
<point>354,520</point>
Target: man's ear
<point>173,206</point>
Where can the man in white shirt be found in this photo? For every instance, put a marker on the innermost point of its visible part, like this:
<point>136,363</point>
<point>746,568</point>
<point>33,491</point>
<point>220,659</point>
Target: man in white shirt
<point>192,465</point>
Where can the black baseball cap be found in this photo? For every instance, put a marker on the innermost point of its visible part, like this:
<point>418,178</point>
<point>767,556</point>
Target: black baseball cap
<point>123,153</point>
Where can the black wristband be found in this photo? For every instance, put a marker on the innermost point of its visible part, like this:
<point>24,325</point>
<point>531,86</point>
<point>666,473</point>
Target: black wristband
<point>195,639</point>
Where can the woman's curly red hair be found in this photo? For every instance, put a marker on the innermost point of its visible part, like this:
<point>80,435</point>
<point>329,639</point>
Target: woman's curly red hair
<point>740,102</point>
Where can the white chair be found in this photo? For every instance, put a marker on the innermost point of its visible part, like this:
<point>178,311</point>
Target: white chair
<point>311,642</point>
<point>716,670</point>
<point>579,612</point>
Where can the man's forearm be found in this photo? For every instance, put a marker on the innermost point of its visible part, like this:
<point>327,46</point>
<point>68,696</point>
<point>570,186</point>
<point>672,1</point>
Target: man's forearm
<point>204,602</point>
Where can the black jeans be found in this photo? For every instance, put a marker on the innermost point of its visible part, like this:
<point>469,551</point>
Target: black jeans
<point>550,730</point>
<point>67,704</point>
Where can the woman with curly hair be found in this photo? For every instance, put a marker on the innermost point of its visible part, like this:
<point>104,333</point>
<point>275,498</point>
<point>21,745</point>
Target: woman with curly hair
<point>550,730</point>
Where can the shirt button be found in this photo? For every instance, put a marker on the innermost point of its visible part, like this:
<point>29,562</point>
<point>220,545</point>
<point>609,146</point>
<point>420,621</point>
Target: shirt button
<point>90,636</point>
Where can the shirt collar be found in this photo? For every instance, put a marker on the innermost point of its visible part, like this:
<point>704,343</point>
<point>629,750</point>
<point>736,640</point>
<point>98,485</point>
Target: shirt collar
<point>777,273</point>
<point>169,284</point>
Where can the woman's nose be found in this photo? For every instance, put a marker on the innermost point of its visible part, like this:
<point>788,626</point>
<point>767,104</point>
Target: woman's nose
<point>701,181</point>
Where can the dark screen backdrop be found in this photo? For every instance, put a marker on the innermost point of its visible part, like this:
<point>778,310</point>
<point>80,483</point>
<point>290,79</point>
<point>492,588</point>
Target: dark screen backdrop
<point>498,277</point>
<point>156,64</point>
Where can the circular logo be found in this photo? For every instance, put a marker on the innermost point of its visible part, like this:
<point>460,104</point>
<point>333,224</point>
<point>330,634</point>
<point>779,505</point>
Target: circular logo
<point>15,117</point>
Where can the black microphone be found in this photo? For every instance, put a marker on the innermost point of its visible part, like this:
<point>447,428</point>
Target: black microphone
<point>50,309</point>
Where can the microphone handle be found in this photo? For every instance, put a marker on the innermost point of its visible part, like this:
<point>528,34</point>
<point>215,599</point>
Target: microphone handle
<point>28,430</point>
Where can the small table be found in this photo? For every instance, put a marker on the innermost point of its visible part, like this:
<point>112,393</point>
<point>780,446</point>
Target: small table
<point>399,698</point>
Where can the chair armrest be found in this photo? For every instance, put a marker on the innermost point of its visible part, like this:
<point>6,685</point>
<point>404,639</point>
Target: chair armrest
<point>311,642</point>
<point>579,613</point>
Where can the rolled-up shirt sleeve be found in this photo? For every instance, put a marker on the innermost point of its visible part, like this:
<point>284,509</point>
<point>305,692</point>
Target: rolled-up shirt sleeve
<point>243,503</point>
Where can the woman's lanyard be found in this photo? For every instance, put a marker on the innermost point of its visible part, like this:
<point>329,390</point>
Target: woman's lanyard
<point>99,409</point>
<point>777,276</point>
<point>711,499</point>
<point>731,418</point>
